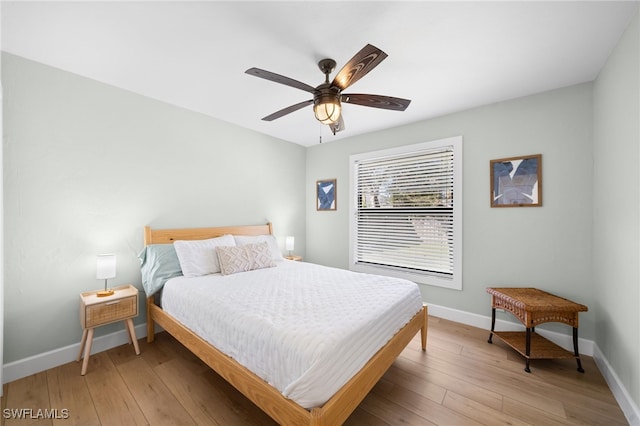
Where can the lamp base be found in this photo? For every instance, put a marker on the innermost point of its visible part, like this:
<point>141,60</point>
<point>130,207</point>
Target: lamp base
<point>104,293</point>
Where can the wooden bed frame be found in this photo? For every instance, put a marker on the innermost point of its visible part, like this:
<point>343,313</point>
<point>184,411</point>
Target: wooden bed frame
<point>284,411</point>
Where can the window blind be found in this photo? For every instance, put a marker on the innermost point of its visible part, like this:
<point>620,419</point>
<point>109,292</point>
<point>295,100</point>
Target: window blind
<point>404,211</point>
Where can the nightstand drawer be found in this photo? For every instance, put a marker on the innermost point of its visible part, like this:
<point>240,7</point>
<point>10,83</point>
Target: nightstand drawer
<point>110,311</point>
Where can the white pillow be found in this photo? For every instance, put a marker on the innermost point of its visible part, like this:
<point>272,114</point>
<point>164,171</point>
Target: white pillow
<point>199,257</point>
<point>276,254</point>
<point>246,257</point>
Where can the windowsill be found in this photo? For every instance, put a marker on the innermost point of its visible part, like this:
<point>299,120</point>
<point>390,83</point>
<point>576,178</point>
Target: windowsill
<point>451,283</point>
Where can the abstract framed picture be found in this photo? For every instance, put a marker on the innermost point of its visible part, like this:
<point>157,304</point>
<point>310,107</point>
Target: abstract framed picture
<point>326,194</point>
<point>516,181</point>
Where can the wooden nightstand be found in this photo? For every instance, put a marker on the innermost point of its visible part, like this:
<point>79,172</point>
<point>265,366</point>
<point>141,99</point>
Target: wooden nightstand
<point>95,311</point>
<point>296,258</point>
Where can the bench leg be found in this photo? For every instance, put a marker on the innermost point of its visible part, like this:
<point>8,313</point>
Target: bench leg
<point>575,349</point>
<point>493,324</point>
<point>528,350</point>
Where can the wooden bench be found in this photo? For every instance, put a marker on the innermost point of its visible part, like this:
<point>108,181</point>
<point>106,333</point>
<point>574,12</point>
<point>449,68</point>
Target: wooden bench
<point>533,307</point>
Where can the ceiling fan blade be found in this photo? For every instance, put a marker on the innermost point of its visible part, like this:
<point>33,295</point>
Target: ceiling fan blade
<point>268,75</point>
<point>363,62</point>
<point>376,101</point>
<point>287,110</point>
<point>337,127</point>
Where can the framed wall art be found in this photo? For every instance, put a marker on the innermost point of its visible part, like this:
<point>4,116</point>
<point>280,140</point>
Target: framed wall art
<point>516,181</point>
<point>326,194</point>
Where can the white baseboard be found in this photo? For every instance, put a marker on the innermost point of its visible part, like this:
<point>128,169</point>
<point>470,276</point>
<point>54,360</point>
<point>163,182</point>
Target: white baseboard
<point>34,364</point>
<point>628,406</point>
<point>41,362</point>
<point>586,347</point>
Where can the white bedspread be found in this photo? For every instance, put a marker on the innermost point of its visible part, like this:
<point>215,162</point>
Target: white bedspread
<point>305,329</point>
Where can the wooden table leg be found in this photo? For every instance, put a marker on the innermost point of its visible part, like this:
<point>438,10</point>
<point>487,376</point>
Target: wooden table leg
<point>132,335</point>
<point>82,343</point>
<point>126,328</point>
<point>87,352</point>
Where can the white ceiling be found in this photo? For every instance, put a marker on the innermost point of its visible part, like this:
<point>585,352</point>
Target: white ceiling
<point>444,56</point>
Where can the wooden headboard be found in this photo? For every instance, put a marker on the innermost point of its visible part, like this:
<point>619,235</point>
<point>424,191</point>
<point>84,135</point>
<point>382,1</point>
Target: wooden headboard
<point>168,236</point>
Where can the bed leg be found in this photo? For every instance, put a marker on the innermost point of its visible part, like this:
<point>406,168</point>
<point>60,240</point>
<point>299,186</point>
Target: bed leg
<point>150,328</point>
<point>423,330</point>
<point>316,418</point>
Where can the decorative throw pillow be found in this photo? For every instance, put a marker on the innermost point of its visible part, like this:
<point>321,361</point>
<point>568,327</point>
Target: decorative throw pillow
<point>246,257</point>
<point>198,257</point>
<point>276,254</point>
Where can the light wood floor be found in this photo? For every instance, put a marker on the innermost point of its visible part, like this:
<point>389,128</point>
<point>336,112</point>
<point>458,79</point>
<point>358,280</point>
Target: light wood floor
<point>460,380</point>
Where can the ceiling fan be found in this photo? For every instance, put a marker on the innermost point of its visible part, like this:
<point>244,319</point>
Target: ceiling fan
<point>327,97</point>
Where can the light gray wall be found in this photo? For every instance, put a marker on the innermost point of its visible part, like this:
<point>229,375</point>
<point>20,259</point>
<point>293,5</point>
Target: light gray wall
<point>87,165</point>
<point>616,207</point>
<point>548,247</point>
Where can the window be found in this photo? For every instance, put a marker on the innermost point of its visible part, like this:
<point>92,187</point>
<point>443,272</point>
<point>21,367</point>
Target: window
<point>406,212</point>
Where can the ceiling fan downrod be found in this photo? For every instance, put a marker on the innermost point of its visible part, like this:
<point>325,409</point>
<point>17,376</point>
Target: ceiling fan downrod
<point>327,66</point>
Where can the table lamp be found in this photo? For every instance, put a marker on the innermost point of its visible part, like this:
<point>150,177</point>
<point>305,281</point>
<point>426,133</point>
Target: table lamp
<point>106,268</point>
<point>289,243</point>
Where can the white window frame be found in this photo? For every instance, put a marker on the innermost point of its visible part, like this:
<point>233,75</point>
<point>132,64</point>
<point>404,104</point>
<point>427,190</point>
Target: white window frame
<point>455,280</point>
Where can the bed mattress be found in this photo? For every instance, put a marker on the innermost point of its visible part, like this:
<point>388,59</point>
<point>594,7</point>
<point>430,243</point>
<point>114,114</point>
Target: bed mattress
<point>305,329</point>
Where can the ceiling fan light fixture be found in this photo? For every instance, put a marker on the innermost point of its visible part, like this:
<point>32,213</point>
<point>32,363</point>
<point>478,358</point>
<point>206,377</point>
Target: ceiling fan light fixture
<point>327,112</point>
<point>326,106</point>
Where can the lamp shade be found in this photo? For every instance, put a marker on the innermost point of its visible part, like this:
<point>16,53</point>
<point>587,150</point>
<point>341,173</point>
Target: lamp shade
<point>327,111</point>
<point>289,243</point>
<point>106,266</point>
